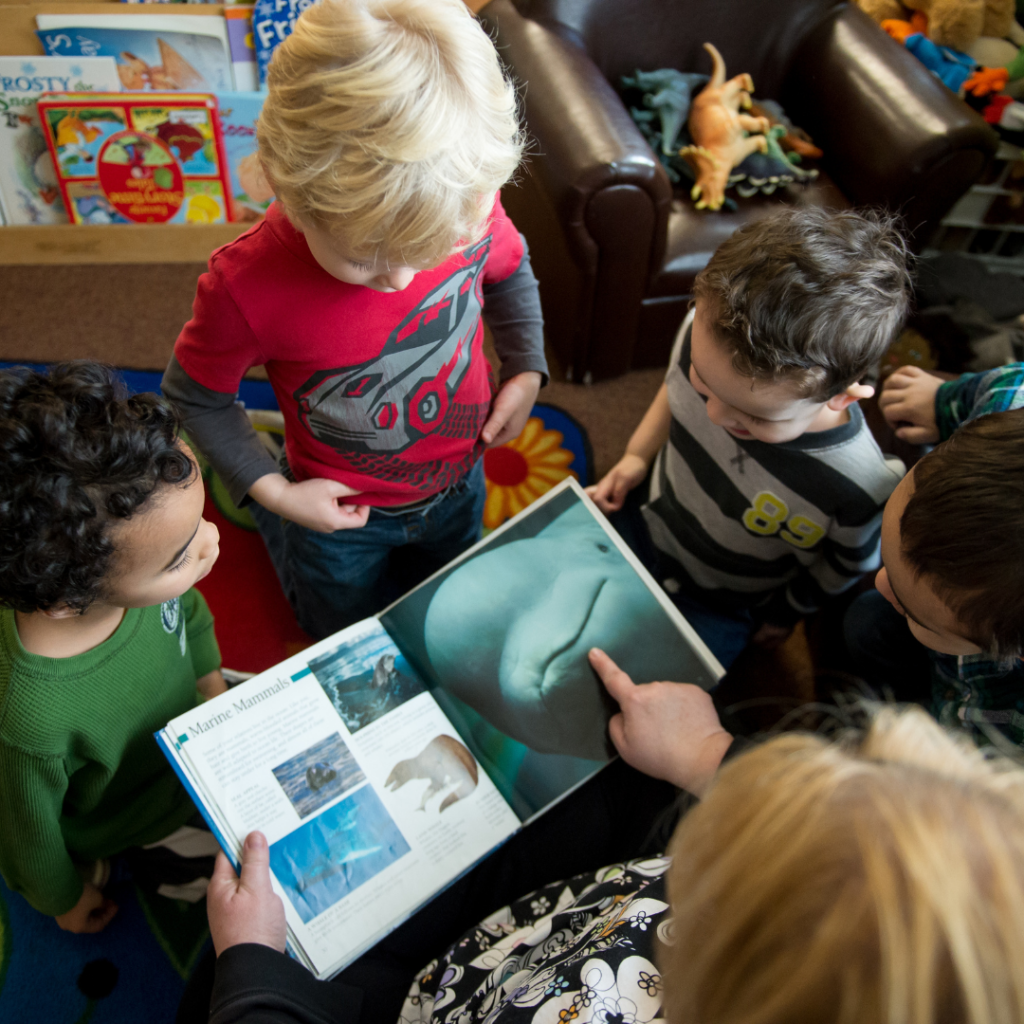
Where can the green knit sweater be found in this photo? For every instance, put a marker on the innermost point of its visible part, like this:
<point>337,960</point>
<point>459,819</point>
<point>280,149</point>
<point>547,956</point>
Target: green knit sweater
<point>81,776</point>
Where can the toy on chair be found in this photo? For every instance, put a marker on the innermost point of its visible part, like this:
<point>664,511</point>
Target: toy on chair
<point>953,23</point>
<point>720,133</point>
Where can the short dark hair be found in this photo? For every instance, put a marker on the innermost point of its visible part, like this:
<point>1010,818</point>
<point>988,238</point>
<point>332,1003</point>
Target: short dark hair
<point>810,295</point>
<point>78,453</point>
<point>963,529</point>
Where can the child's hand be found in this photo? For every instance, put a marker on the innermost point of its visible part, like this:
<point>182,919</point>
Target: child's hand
<point>92,913</point>
<point>511,409</point>
<point>245,909</point>
<point>908,397</point>
<point>669,731</point>
<point>212,684</point>
<point>316,504</point>
<point>610,493</point>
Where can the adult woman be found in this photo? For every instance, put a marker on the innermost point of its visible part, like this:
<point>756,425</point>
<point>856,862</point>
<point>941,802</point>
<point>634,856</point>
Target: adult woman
<point>874,879</point>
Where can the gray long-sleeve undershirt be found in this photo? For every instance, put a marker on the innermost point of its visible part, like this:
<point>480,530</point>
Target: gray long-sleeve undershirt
<point>216,421</point>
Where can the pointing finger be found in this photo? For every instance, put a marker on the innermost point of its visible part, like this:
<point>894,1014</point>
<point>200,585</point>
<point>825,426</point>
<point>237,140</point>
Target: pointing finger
<point>615,680</point>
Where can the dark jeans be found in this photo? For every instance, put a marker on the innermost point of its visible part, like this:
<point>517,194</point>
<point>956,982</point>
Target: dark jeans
<point>334,579</point>
<point>726,634</point>
<point>618,815</point>
<point>884,653</point>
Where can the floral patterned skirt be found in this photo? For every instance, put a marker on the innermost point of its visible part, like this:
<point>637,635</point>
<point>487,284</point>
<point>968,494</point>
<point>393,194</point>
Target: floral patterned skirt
<point>570,953</point>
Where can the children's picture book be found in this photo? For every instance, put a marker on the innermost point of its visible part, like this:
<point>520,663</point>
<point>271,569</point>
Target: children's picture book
<point>144,158</point>
<point>29,193</point>
<point>384,762</point>
<point>159,52</point>
<point>239,112</point>
<point>273,21</point>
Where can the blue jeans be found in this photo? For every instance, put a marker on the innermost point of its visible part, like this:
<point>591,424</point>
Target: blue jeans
<point>725,633</point>
<point>334,579</point>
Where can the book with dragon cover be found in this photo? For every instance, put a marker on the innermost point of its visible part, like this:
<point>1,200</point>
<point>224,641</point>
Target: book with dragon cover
<point>142,158</point>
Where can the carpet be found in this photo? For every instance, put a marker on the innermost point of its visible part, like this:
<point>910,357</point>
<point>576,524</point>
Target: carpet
<point>135,970</point>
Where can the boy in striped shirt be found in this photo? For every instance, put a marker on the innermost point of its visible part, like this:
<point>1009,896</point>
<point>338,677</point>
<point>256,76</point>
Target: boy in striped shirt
<point>762,487</point>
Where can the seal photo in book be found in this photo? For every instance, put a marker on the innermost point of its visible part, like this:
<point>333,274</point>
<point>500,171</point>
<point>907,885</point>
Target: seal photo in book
<point>445,762</point>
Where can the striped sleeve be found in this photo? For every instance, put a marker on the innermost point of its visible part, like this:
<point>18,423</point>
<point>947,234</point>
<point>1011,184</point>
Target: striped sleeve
<point>977,394</point>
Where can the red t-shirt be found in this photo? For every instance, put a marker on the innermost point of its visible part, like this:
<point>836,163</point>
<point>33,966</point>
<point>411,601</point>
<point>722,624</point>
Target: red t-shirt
<point>385,392</point>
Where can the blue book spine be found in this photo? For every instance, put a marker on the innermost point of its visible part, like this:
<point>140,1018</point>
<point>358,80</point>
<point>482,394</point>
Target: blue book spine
<point>273,21</point>
<point>167,746</point>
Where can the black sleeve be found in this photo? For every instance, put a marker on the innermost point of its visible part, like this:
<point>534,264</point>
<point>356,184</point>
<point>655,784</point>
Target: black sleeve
<point>257,985</point>
<point>217,424</point>
<point>512,311</point>
<point>739,746</point>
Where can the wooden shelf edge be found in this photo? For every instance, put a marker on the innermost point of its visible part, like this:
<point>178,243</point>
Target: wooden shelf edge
<point>119,243</point>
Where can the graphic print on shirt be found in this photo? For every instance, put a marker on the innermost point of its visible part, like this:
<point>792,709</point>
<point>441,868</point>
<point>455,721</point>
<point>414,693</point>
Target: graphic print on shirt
<point>767,516</point>
<point>173,621</point>
<point>386,404</point>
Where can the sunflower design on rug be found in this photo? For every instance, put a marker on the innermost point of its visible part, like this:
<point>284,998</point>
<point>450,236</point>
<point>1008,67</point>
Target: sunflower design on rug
<point>520,471</point>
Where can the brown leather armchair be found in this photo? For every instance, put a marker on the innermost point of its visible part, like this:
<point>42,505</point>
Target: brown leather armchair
<point>614,249</point>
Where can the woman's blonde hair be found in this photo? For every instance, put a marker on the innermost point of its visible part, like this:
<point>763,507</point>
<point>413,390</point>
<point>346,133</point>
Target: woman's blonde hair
<point>390,124</point>
<point>878,880</point>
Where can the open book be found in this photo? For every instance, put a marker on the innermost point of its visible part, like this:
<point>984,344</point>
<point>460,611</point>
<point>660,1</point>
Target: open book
<point>383,762</point>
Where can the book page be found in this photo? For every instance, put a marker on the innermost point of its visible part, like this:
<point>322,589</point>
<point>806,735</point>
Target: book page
<point>502,636</point>
<point>368,798</point>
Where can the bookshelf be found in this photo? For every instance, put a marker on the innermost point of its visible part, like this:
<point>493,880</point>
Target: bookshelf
<point>120,243</point>
<point>81,243</point>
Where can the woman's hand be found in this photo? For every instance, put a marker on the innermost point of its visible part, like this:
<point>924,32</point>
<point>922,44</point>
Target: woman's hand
<point>245,908</point>
<point>669,731</point>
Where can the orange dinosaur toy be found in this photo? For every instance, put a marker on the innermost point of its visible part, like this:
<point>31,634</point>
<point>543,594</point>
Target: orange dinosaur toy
<point>719,133</point>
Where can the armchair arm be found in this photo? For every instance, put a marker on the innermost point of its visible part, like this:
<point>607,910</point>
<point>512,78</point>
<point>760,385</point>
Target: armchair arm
<point>593,173</point>
<point>892,134</point>
<point>586,139</point>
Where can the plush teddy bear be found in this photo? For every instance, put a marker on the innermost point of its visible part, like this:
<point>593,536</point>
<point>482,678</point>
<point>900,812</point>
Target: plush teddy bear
<point>953,23</point>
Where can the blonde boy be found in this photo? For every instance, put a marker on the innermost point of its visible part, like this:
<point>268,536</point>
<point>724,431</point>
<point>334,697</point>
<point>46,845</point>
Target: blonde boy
<point>386,134</point>
<point>767,488</point>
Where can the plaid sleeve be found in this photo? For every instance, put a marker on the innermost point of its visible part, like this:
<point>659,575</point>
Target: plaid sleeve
<point>978,394</point>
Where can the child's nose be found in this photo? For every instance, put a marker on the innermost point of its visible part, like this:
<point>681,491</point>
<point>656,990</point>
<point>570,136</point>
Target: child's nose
<point>400,278</point>
<point>211,540</point>
<point>882,586</point>
<point>718,412</point>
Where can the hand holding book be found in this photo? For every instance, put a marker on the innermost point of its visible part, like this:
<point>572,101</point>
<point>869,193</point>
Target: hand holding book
<point>385,761</point>
<point>244,907</point>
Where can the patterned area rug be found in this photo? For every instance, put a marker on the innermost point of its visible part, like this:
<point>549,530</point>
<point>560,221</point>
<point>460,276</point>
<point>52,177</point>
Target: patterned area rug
<point>135,970</point>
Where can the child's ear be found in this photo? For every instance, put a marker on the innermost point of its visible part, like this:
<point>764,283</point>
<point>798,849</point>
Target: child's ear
<point>253,179</point>
<point>58,611</point>
<point>854,393</point>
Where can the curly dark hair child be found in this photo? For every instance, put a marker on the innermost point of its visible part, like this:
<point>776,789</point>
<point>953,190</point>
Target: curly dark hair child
<point>79,453</point>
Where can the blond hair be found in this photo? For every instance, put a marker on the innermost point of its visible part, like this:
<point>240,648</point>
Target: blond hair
<point>880,881</point>
<point>390,124</point>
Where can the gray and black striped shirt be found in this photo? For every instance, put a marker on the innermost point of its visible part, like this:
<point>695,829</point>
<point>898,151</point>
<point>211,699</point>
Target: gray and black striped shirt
<point>777,527</point>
